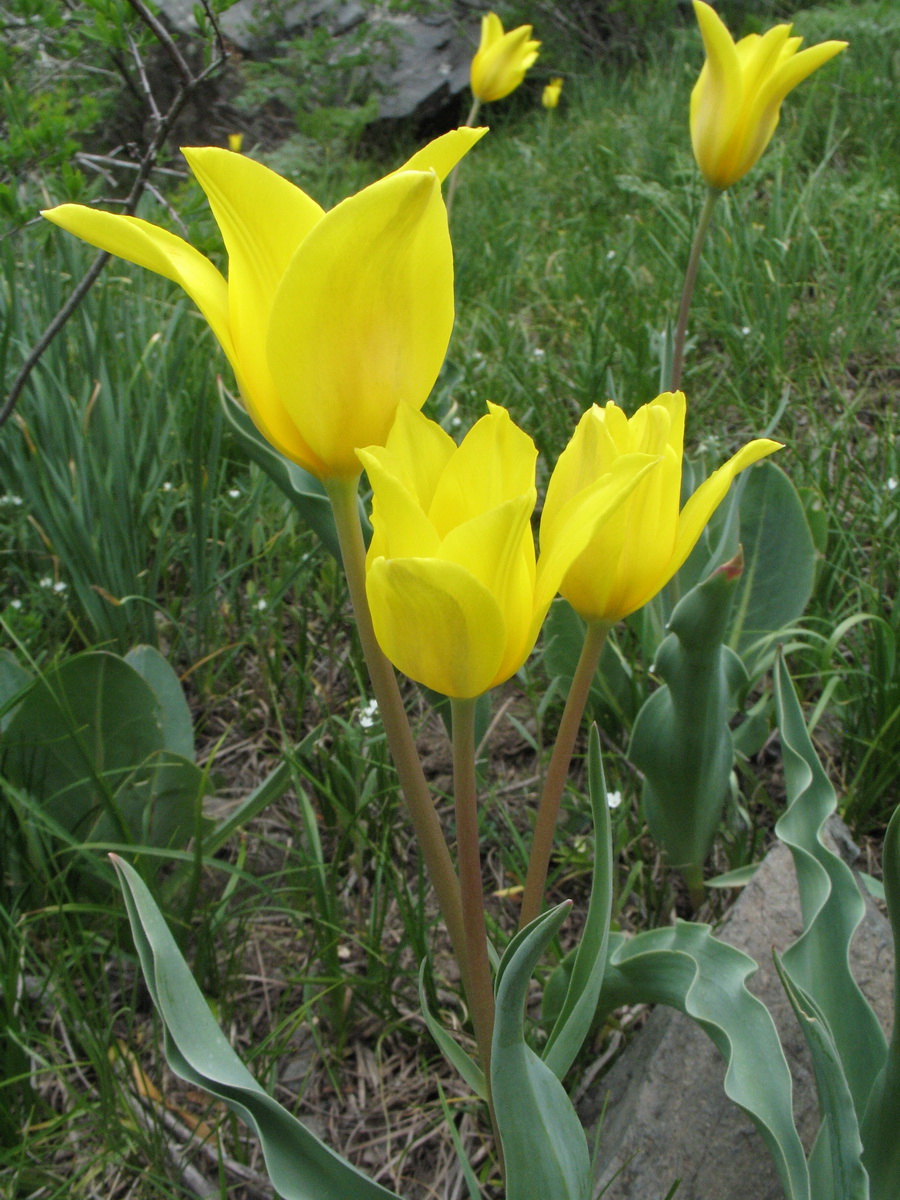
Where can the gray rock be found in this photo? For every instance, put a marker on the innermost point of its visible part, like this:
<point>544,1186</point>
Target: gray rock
<point>666,1117</point>
<point>430,53</point>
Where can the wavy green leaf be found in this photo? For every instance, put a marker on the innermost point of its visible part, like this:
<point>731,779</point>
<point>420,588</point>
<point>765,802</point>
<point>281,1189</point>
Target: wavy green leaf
<point>299,1165</point>
<point>879,1127</point>
<point>835,1167</point>
<point>688,969</point>
<point>818,963</point>
<point>544,1146</point>
<point>586,971</point>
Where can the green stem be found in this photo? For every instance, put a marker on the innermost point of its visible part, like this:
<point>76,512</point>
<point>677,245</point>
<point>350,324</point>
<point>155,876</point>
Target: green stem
<point>558,770</point>
<point>454,174</point>
<point>690,278</point>
<point>480,991</point>
<point>343,496</point>
<point>693,876</point>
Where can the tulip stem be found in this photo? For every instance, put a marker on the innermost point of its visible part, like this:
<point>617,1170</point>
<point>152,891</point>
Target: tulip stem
<point>343,496</point>
<point>558,770</point>
<point>480,993</point>
<point>690,278</point>
<point>454,174</point>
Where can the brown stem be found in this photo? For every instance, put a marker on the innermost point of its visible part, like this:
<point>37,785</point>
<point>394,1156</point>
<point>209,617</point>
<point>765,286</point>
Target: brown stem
<point>558,770</point>
<point>690,278</point>
<point>427,826</point>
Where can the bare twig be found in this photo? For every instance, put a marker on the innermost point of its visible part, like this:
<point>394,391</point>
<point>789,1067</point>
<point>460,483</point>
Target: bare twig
<point>163,125</point>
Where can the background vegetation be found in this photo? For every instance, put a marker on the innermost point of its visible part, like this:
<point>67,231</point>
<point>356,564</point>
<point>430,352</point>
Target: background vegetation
<point>130,514</point>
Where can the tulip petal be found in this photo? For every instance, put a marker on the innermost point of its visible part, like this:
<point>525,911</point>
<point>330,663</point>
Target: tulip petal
<point>442,154</point>
<point>400,527</point>
<point>710,494</point>
<point>149,246</point>
<point>495,462</point>
<point>497,548</point>
<point>716,97</point>
<point>417,451</point>
<point>437,624</point>
<point>361,321</point>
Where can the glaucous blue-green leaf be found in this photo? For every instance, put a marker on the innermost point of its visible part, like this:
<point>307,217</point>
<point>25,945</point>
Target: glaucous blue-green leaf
<point>300,1166</point>
<point>681,741</point>
<point>77,737</point>
<point>448,1046</point>
<point>585,970</point>
<point>880,1125</point>
<point>818,963</point>
<point>613,688</point>
<point>835,1166</point>
<point>544,1146</point>
<point>303,490</point>
<point>779,563</point>
<point>689,969</point>
<point>177,726</point>
<point>13,680</point>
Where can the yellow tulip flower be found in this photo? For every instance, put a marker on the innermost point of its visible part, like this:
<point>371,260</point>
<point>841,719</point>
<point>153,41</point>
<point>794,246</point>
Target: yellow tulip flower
<point>736,101</point>
<point>331,321</point>
<point>646,540</point>
<point>456,596</point>
<point>502,59</point>
<point>236,142</point>
<point>550,94</point>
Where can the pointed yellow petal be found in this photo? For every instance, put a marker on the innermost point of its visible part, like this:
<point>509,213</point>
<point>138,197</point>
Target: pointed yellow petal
<point>710,494</point>
<point>361,321</point>
<point>158,250</point>
<point>400,527</point>
<point>494,463</point>
<point>437,624</point>
<point>442,154</point>
<point>417,451</point>
<point>716,97</point>
<point>497,548</point>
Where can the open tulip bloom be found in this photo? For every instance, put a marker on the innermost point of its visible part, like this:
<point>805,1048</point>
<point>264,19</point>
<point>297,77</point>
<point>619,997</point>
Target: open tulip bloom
<point>638,550</point>
<point>501,60</point>
<point>736,102</point>
<point>331,321</point>
<point>452,555</point>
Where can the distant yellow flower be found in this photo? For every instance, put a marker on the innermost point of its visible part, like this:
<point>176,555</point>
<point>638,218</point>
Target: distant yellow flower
<point>331,321</point>
<point>236,142</point>
<point>646,540</point>
<point>456,596</point>
<point>502,59</point>
<point>550,95</point>
<point>736,101</point>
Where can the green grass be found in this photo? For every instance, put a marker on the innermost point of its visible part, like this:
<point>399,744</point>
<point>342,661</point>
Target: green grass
<point>570,246</point>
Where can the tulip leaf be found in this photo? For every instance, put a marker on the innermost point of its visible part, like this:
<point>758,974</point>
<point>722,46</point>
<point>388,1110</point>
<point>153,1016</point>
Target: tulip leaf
<point>449,1047</point>
<point>585,971</point>
<point>687,968</point>
<point>817,964</point>
<point>544,1146</point>
<point>303,490</point>
<point>681,741</point>
<point>175,716</point>
<point>13,681</point>
<point>779,563</point>
<point>300,1166</point>
<point>879,1128</point>
<point>737,878</point>
<point>835,1167</point>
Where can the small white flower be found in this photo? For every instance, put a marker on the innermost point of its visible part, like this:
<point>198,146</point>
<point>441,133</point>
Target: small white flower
<point>745,330</point>
<point>455,422</point>
<point>59,586</point>
<point>10,500</point>
<point>262,604</point>
<point>233,493</point>
<point>892,484</point>
<point>167,487</point>
<point>610,255</point>
<point>613,799</point>
<point>15,604</point>
<point>46,582</point>
<point>367,714</point>
<point>538,354</point>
